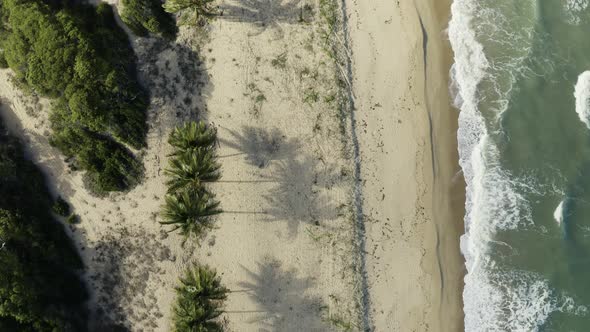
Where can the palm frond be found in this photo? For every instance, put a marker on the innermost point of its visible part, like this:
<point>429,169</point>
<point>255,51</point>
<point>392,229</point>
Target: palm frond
<point>190,210</point>
<point>192,135</point>
<point>192,168</point>
<point>199,301</point>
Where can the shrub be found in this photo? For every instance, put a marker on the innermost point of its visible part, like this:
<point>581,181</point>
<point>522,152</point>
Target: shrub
<point>109,166</point>
<point>61,207</point>
<point>145,16</point>
<point>3,63</point>
<point>73,219</point>
<point>191,12</point>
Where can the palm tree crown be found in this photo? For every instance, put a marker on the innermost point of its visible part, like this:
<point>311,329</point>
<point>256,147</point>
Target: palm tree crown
<point>192,168</point>
<point>190,210</point>
<point>199,301</point>
<point>192,135</point>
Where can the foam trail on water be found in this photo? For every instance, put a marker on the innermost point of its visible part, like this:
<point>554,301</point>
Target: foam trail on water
<point>582,94</point>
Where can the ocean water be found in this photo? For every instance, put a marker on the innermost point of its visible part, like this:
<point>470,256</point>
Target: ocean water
<point>521,82</point>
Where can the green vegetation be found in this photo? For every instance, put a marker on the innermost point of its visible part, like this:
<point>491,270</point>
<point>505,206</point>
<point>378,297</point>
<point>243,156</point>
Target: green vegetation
<point>192,135</point>
<point>80,57</point>
<point>199,301</point>
<point>40,287</point>
<point>191,12</point>
<point>148,16</point>
<point>61,207</point>
<point>189,206</point>
<point>311,96</point>
<point>192,168</point>
<point>73,219</point>
<point>280,61</point>
<point>190,210</point>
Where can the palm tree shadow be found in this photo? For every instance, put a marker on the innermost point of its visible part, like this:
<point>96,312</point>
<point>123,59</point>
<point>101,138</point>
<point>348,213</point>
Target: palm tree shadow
<point>300,194</point>
<point>177,80</point>
<point>264,14</point>
<point>281,296</point>
<point>261,146</point>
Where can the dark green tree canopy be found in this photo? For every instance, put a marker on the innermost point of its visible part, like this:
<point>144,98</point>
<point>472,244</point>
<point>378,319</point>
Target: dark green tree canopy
<point>148,16</point>
<point>40,289</point>
<point>78,55</point>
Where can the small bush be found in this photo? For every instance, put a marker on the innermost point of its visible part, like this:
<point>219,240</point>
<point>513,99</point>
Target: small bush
<point>145,16</point>
<point>73,219</point>
<point>3,63</point>
<point>61,207</point>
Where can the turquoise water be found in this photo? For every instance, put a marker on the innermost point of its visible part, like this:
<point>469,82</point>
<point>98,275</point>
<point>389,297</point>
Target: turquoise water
<point>524,141</point>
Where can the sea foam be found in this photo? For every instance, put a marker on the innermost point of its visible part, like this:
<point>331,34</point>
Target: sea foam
<point>494,300</point>
<point>582,94</point>
<point>558,213</point>
<point>574,9</point>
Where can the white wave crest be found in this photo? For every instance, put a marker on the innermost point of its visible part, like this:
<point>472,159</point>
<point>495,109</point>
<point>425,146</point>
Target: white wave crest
<point>558,213</point>
<point>494,198</point>
<point>582,94</point>
<point>574,9</point>
<point>516,301</point>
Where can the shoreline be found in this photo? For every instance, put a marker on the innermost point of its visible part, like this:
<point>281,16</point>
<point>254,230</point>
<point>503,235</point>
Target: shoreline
<point>413,202</point>
<point>449,185</point>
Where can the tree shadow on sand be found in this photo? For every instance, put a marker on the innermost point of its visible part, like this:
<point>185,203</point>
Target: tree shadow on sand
<point>300,195</point>
<point>282,299</point>
<point>261,146</point>
<point>125,267</point>
<point>266,14</point>
<point>176,78</point>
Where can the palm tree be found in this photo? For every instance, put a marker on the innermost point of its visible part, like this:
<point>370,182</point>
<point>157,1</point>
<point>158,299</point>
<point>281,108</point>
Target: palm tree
<point>192,135</point>
<point>190,210</point>
<point>191,11</point>
<point>192,168</point>
<point>199,301</point>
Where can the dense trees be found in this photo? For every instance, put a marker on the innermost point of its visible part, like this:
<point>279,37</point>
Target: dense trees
<point>145,16</point>
<point>79,56</point>
<point>199,301</point>
<point>40,289</point>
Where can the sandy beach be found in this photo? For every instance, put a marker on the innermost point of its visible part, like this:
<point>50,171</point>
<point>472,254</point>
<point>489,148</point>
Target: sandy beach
<point>301,180</point>
<point>412,194</point>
